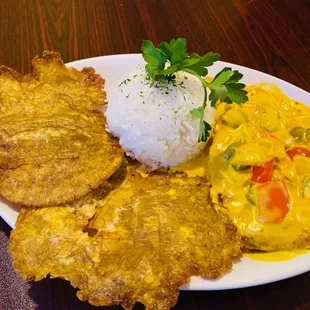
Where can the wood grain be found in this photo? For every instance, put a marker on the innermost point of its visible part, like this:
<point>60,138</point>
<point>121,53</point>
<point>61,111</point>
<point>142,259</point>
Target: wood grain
<point>270,36</point>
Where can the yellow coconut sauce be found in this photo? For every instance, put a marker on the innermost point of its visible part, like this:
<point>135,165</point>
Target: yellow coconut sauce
<point>277,256</point>
<point>261,130</point>
<point>195,167</point>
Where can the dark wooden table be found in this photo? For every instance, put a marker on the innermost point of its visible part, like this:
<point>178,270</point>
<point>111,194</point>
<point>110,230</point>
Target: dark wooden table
<point>272,36</point>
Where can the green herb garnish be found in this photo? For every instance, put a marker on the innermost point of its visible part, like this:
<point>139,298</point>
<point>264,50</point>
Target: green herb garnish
<point>225,85</point>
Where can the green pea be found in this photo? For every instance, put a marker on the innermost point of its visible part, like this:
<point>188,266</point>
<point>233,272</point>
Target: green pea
<point>299,134</point>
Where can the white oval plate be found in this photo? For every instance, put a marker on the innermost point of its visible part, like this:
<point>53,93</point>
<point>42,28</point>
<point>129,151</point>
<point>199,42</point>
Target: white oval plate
<point>246,272</point>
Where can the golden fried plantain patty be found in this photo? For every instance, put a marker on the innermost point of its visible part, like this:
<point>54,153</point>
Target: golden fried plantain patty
<point>148,237</point>
<point>53,144</point>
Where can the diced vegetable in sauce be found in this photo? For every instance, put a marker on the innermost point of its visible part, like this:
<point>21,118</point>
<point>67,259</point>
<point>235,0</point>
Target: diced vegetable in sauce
<point>300,134</point>
<point>301,151</point>
<point>270,202</point>
<point>251,195</point>
<point>238,167</point>
<point>269,119</point>
<point>262,173</point>
<point>233,118</point>
<point>273,202</point>
<point>229,157</point>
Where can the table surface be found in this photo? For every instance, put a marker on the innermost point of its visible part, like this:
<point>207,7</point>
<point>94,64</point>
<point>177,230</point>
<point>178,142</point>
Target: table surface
<point>270,36</point>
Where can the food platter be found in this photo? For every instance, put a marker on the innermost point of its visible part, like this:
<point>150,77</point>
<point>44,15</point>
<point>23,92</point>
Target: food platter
<point>246,272</point>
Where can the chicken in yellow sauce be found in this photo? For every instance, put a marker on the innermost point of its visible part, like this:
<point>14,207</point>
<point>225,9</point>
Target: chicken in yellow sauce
<point>259,168</point>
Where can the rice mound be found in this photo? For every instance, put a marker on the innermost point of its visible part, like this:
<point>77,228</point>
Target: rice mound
<point>153,122</point>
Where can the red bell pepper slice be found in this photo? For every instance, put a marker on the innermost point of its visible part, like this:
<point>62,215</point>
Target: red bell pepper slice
<point>262,173</point>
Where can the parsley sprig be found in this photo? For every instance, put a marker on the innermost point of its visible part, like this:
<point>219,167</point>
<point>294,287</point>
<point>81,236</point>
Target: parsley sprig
<point>224,87</point>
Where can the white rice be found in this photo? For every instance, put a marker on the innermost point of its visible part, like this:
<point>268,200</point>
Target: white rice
<point>153,123</point>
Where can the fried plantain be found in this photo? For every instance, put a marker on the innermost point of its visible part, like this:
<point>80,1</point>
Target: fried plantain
<point>53,144</point>
<point>152,234</point>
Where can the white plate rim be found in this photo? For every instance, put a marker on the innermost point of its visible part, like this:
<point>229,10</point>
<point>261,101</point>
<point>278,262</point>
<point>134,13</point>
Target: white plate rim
<point>238,277</point>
